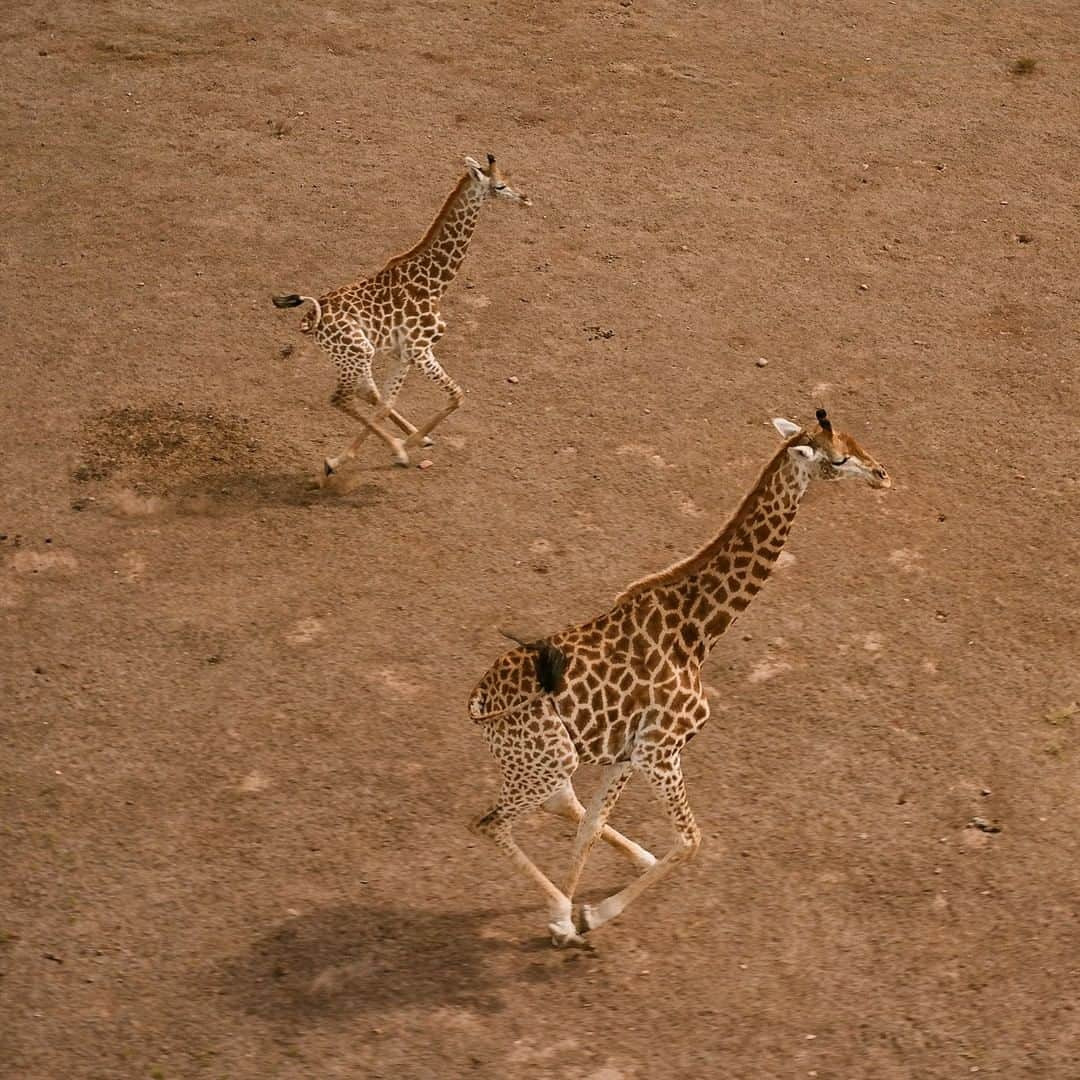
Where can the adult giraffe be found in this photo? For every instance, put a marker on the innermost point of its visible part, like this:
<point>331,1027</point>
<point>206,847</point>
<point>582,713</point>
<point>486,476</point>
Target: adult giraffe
<point>624,689</point>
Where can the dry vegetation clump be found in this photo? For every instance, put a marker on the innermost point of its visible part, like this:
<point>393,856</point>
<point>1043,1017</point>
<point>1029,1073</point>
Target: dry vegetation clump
<point>162,439</point>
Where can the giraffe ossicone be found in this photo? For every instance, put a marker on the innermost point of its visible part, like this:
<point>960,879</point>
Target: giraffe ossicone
<point>629,696</point>
<point>396,311</point>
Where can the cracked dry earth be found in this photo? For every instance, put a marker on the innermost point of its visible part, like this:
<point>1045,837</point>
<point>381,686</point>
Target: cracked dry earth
<point>235,765</point>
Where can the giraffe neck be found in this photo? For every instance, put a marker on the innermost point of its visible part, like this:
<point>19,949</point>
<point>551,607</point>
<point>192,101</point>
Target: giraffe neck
<point>710,589</point>
<point>433,263</point>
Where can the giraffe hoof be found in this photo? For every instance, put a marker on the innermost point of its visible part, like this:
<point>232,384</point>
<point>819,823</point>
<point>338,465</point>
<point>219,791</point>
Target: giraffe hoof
<point>589,919</point>
<point>416,440</point>
<point>328,469</point>
<point>564,936</point>
<point>646,861</point>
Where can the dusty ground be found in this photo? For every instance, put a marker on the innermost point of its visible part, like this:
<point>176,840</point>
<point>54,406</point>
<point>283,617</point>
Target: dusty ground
<point>236,767</point>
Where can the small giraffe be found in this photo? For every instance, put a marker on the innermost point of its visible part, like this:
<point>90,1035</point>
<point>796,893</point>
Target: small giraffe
<point>624,690</point>
<point>397,311</point>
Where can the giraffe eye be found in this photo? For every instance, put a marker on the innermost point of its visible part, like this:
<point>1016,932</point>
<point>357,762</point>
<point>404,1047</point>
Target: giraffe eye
<point>840,462</point>
<point>500,187</point>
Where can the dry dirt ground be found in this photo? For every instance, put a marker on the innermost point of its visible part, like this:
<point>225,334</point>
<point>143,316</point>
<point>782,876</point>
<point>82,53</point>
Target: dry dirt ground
<point>236,768</point>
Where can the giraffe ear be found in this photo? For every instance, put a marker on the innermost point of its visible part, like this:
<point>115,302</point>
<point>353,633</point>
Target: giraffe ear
<point>802,451</point>
<point>785,427</point>
<point>475,168</point>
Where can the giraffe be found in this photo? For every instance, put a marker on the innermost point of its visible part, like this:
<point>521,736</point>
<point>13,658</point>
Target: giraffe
<point>624,690</point>
<point>396,311</point>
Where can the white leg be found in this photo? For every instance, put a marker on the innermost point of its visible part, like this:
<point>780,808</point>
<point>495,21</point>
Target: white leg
<point>390,396</point>
<point>353,360</point>
<point>665,776</point>
<point>537,757</point>
<point>565,804</point>
<point>497,826</point>
<point>612,781</point>
<point>433,370</point>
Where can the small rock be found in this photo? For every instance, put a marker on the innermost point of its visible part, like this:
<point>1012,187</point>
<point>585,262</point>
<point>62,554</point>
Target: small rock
<point>983,825</point>
<point>425,464</point>
<point>864,288</point>
<point>761,362</point>
<point>513,379</point>
<point>1062,713</point>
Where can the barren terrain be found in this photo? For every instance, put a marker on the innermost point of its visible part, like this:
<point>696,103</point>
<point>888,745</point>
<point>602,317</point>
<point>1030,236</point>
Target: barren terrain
<point>235,764</point>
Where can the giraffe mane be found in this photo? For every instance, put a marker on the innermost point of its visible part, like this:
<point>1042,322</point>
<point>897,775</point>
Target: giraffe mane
<point>433,228</point>
<point>700,557</point>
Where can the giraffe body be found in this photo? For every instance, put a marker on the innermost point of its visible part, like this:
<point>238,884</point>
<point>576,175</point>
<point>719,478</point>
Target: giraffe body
<point>396,312</point>
<point>631,696</point>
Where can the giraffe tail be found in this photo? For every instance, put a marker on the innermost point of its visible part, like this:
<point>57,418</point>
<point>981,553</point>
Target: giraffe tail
<point>550,662</point>
<point>295,300</point>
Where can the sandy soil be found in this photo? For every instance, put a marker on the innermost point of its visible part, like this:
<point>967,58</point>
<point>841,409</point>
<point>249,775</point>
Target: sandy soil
<point>235,766</point>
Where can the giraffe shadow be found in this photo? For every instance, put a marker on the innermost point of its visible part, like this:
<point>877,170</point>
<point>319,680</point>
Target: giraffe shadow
<point>353,960</point>
<point>240,491</point>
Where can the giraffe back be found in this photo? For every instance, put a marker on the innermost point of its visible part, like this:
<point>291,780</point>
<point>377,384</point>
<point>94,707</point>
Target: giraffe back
<point>621,668</point>
<point>387,313</point>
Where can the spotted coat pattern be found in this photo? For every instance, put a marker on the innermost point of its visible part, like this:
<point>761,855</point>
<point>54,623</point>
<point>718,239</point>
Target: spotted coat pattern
<point>396,312</point>
<point>632,696</point>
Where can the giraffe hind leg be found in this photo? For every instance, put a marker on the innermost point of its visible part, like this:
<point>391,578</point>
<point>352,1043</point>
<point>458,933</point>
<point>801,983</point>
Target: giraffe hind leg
<point>537,758</point>
<point>346,402</point>
<point>331,465</point>
<point>353,353</point>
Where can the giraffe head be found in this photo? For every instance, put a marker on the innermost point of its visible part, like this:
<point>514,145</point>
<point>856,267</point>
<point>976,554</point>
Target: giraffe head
<point>492,183</point>
<point>831,454</point>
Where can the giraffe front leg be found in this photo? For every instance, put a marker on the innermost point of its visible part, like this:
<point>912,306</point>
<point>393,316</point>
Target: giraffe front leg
<point>353,353</point>
<point>565,804</point>
<point>433,370</point>
<point>612,781</point>
<point>390,396</point>
<point>664,773</point>
<point>344,398</point>
<point>408,428</point>
<point>330,465</point>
